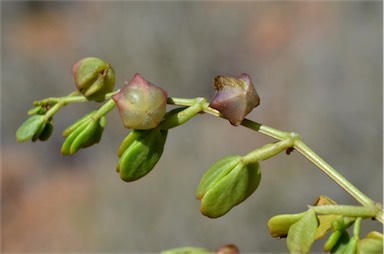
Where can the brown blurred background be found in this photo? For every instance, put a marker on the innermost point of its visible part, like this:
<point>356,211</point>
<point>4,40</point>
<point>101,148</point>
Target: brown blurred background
<point>317,67</point>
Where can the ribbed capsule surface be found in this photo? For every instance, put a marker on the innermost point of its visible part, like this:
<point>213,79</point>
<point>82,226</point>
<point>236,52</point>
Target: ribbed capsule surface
<point>141,104</point>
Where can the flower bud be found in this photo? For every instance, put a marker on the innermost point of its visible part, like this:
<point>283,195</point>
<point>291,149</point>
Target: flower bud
<point>279,225</point>
<point>83,133</point>
<point>370,245</point>
<point>93,77</point>
<point>44,132</point>
<point>226,184</point>
<point>143,150</point>
<point>32,128</point>
<point>235,98</point>
<point>141,105</point>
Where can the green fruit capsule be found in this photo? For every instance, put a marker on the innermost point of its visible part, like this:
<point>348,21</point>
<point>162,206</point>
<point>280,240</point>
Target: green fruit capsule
<point>141,104</point>
<point>235,97</point>
<point>226,184</point>
<point>93,77</point>
<point>141,156</point>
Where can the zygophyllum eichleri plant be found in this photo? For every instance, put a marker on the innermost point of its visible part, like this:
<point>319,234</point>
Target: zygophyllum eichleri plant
<point>231,180</point>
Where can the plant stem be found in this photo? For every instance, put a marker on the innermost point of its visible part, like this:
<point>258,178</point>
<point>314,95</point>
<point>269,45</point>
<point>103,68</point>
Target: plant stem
<point>347,210</point>
<point>301,147</point>
<point>332,173</point>
<point>71,98</point>
<point>104,109</point>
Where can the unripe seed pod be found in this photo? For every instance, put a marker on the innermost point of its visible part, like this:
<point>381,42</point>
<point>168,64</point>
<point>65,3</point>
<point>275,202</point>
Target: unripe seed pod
<point>93,78</point>
<point>141,154</point>
<point>235,98</point>
<point>141,105</point>
<point>226,184</point>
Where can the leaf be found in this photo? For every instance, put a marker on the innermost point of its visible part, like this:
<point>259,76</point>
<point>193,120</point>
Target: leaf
<point>325,225</point>
<point>301,234</point>
<point>279,225</point>
<point>29,128</point>
<point>370,245</point>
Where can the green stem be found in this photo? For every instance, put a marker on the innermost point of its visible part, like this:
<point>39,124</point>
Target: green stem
<point>347,210</point>
<point>104,109</point>
<point>71,98</point>
<point>57,106</point>
<point>180,116</point>
<point>332,173</point>
<point>269,150</point>
<point>299,146</point>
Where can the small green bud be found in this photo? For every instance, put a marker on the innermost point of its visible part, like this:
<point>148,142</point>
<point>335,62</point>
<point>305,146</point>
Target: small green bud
<point>332,240</point>
<point>44,132</point>
<point>143,150</point>
<point>141,104</point>
<point>235,98</point>
<point>83,133</point>
<point>93,78</point>
<point>226,184</point>
<point>37,110</point>
<point>31,128</point>
<point>279,225</point>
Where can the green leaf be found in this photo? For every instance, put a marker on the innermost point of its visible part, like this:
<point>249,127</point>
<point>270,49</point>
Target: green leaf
<point>279,225</point>
<point>325,224</point>
<point>301,234</point>
<point>29,128</point>
<point>370,245</point>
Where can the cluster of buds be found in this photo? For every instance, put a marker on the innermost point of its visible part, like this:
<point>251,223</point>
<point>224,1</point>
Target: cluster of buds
<point>83,133</point>
<point>36,127</point>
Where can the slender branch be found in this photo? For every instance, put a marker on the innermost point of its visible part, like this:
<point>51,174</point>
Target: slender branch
<point>332,173</point>
<point>347,210</point>
<point>300,146</point>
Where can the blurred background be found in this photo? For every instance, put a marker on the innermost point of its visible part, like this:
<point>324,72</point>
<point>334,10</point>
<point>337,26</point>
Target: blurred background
<point>317,67</point>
